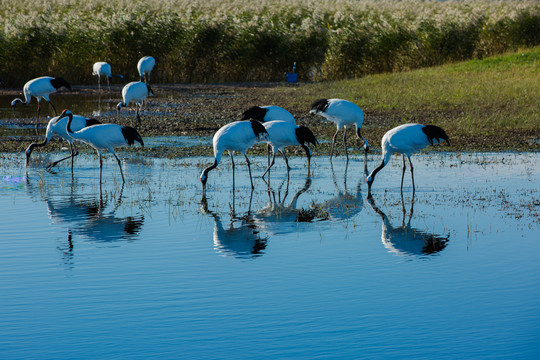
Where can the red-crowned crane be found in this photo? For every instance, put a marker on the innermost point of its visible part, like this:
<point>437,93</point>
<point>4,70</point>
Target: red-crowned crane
<point>102,68</point>
<point>344,114</point>
<point>145,66</point>
<point>282,134</point>
<point>236,136</point>
<point>58,127</point>
<point>136,92</point>
<point>406,139</point>
<point>103,137</point>
<point>41,88</point>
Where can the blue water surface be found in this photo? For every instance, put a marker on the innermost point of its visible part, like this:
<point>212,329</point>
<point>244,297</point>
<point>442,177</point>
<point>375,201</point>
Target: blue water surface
<point>301,268</point>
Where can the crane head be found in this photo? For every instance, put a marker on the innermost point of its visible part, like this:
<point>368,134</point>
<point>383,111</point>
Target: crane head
<point>28,152</point>
<point>369,181</point>
<point>64,113</point>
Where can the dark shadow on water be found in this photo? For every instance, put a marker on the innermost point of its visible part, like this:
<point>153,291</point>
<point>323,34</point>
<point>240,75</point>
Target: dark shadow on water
<point>405,240</point>
<point>87,103</point>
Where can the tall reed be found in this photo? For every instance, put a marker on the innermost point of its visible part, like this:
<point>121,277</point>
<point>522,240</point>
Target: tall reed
<point>247,40</point>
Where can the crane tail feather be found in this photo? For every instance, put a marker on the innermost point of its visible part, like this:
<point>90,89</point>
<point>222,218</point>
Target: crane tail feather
<point>131,135</point>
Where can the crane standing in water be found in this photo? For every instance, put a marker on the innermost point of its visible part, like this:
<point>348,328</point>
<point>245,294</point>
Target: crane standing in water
<point>406,139</point>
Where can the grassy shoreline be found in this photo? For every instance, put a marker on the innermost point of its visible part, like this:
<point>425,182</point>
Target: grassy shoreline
<point>487,105</point>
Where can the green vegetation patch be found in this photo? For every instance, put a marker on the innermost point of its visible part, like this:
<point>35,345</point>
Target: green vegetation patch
<point>246,40</point>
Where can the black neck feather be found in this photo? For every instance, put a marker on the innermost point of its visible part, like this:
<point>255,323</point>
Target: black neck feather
<point>68,125</point>
<point>376,170</point>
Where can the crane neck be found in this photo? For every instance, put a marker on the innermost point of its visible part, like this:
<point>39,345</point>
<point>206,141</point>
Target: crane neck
<point>41,143</point>
<point>378,168</point>
<point>68,125</point>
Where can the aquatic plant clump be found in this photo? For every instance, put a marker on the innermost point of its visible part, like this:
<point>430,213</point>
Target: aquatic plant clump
<point>245,40</point>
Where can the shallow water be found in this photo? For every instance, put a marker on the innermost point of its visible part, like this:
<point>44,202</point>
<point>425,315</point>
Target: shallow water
<point>90,104</point>
<point>303,268</point>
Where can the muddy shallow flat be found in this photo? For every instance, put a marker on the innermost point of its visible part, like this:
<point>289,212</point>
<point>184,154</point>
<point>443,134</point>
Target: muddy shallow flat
<point>302,268</point>
<point>201,109</point>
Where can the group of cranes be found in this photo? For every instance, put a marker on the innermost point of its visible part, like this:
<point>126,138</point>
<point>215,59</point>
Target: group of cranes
<point>103,137</point>
<point>280,130</point>
<point>272,124</point>
<point>144,68</point>
<point>59,127</point>
<point>90,131</point>
<point>41,88</point>
<point>135,91</point>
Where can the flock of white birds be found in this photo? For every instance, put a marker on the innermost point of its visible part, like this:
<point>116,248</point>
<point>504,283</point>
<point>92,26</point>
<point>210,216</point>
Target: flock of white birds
<point>272,124</point>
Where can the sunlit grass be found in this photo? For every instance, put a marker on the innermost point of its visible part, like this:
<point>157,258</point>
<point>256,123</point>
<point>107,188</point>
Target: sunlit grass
<point>469,99</point>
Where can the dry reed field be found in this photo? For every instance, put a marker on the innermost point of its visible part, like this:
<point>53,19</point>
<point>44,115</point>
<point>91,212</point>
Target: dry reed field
<point>245,40</point>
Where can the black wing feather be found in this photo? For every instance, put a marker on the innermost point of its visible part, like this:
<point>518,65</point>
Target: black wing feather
<point>258,128</point>
<point>90,122</point>
<point>58,82</point>
<point>320,105</point>
<point>131,135</point>
<point>305,135</point>
<point>435,132</point>
<point>255,113</point>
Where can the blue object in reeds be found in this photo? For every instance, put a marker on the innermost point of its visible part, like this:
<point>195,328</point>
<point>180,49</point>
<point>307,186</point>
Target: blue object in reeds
<point>292,77</point>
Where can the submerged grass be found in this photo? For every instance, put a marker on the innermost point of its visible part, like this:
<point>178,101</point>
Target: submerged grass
<point>246,40</point>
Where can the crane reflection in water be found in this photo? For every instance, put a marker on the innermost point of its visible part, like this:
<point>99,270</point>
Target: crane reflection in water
<point>92,217</point>
<point>405,240</point>
<point>278,217</point>
<point>241,238</point>
<point>346,204</point>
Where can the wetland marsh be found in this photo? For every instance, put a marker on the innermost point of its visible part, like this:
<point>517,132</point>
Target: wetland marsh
<point>305,267</point>
<point>300,267</point>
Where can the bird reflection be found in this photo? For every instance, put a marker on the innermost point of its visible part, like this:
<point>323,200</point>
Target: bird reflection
<point>277,217</point>
<point>345,204</point>
<point>405,240</point>
<point>93,217</point>
<point>241,238</point>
